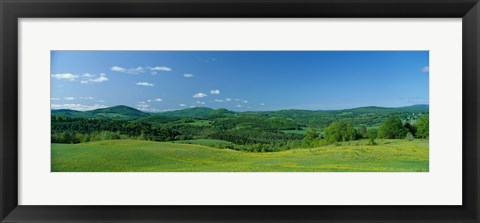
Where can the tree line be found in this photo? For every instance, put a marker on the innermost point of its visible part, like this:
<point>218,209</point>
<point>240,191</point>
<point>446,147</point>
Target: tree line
<point>76,130</point>
<point>392,128</point>
<point>245,133</point>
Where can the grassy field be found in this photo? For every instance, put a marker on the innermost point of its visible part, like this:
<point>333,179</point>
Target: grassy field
<point>205,142</point>
<point>147,156</point>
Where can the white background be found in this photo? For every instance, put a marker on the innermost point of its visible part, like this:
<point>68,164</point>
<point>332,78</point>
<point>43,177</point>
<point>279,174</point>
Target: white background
<point>441,186</point>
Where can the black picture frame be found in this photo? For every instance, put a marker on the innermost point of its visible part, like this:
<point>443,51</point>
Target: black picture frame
<point>12,10</point>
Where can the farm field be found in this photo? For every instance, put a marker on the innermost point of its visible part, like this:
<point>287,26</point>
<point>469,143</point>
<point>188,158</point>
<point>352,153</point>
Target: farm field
<point>389,155</point>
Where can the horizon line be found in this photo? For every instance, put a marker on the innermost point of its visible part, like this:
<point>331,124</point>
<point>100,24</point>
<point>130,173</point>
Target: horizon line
<point>242,111</point>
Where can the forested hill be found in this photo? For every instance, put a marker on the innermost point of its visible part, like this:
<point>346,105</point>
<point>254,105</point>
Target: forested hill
<point>370,116</point>
<point>115,112</point>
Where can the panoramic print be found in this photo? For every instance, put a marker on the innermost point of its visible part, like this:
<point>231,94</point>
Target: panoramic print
<point>239,111</point>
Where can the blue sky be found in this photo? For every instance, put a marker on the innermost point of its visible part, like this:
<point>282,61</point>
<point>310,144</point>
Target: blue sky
<point>157,81</point>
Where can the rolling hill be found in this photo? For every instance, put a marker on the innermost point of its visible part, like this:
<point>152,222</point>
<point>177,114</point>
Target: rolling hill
<point>147,156</point>
<point>197,112</point>
<point>318,118</point>
<point>119,112</point>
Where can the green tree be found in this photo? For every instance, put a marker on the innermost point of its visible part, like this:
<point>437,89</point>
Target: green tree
<point>363,131</point>
<point>340,131</point>
<point>392,128</point>
<point>423,126</point>
<point>68,137</point>
<point>409,136</point>
<point>311,134</point>
<point>410,128</point>
<point>372,135</point>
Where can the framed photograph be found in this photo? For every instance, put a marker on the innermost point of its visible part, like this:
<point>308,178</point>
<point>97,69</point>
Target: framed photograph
<point>228,111</point>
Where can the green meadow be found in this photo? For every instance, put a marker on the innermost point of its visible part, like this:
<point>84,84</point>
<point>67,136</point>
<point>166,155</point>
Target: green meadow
<point>127,155</point>
<point>124,139</point>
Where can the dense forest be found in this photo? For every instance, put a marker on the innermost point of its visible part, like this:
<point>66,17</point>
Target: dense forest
<point>264,131</point>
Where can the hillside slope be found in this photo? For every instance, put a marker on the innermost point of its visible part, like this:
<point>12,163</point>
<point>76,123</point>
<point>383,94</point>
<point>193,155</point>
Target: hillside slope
<point>119,111</point>
<point>147,156</point>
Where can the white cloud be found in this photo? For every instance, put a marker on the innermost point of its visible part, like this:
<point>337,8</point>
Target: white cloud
<point>77,107</point>
<point>188,75</point>
<point>141,102</point>
<point>146,84</point>
<point>149,100</point>
<point>200,95</point>
<point>238,106</point>
<point>87,98</point>
<point>54,99</point>
<point>65,76</point>
<point>218,100</point>
<point>228,99</point>
<point>241,100</point>
<point>425,69</point>
<point>146,108</point>
<point>182,105</point>
<point>136,70</point>
<point>160,68</point>
<point>69,98</point>
<point>200,102</point>
<point>101,78</point>
<point>158,99</point>
<point>262,104</point>
<point>84,78</point>
<point>88,75</point>
<point>215,92</point>
<point>140,69</point>
<point>149,109</point>
<point>118,69</point>
<point>142,106</point>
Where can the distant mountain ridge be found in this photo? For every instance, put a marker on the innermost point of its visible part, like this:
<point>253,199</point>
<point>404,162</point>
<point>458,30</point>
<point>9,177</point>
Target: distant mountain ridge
<point>126,112</point>
<point>122,110</point>
<point>119,111</point>
<point>189,112</point>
